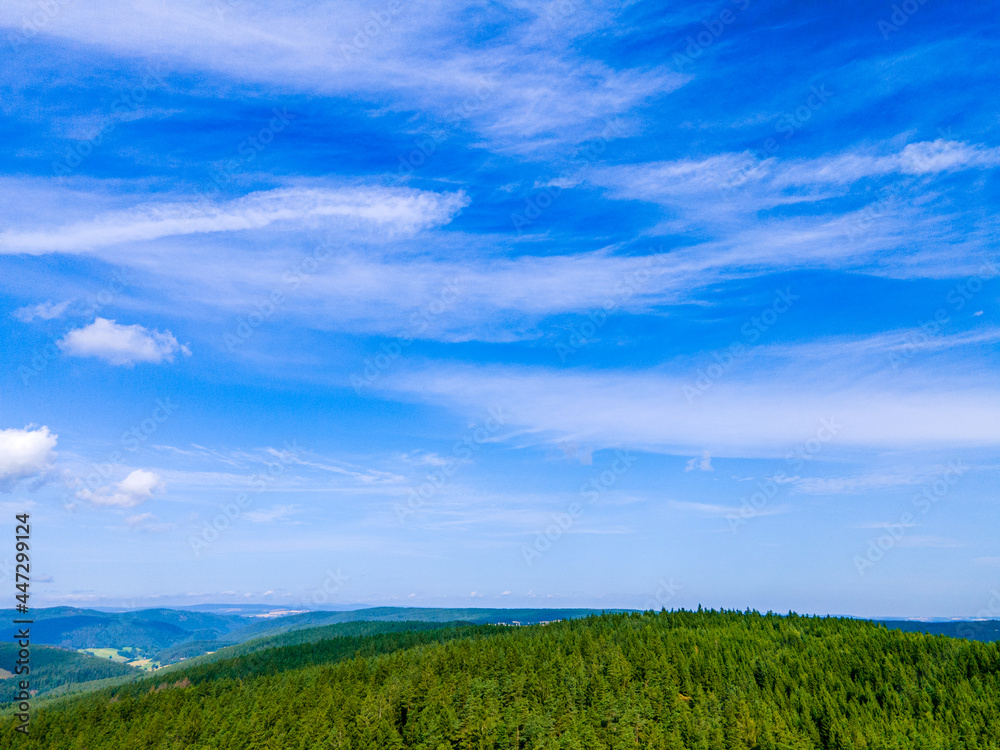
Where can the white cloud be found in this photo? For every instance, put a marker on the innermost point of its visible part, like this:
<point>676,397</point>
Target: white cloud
<point>136,488</point>
<point>666,181</point>
<point>702,464</point>
<point>532,85</point>
<point>771,407</point>
<point>272,514</point>
<point>928,542</point>
<point>24,453</point>
<point>715,510</point>
<point>400,209</point>
<point>730,175</point>
<point>146,522</point>
<point>730,196</point>
<point>707,509</point>
<point>44,311</point>
<point>375,285</point>
<point>852,485</point>
<point>424,458</point>
<point>925,157</point>
<point>121,345</point>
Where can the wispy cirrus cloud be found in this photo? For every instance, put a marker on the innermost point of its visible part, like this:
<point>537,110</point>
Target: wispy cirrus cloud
<point>272,514</point>
<point>921,158</point>
<point>528,87</point>
<point>760,415</point>
<point>701,464</point>
<point>732,176</point>
<point>716,510</point>
<point>394,208</point>
<point>42,311</point>
<point>147,522</point>
<point>928,541</point>
<point>858,484</point>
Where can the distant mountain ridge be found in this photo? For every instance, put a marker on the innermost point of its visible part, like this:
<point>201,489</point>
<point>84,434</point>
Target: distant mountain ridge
<point>171,635</point>
<point>974,630</point>
<point>147,630</point>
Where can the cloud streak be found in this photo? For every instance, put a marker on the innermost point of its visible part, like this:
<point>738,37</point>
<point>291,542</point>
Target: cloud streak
<point>397,209</point>
<point>754,416</point>
<point>540,89</point>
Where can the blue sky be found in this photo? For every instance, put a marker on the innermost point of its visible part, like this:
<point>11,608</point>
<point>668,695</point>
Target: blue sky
<point>554,304</point>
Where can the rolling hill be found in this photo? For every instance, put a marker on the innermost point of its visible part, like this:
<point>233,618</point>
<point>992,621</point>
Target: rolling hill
<point>148,630</point>
<point>169,635</point>
<point>666,681</point>
<point>53,667</point>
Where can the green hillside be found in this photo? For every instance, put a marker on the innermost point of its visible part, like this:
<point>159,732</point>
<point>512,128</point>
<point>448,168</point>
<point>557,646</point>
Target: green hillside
<point>264,627</point>
<point>357,629</point>
<point>169,635</point>
<point>148,630</point>
<point>271,628</point>
<point>52,667</point>
<point>703,680</point>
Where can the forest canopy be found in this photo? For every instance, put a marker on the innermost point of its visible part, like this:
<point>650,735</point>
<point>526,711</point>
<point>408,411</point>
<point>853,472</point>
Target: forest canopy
<point>703,679</point>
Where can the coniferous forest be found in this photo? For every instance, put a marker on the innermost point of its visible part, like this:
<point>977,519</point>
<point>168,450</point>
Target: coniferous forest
<point>702,680</point>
